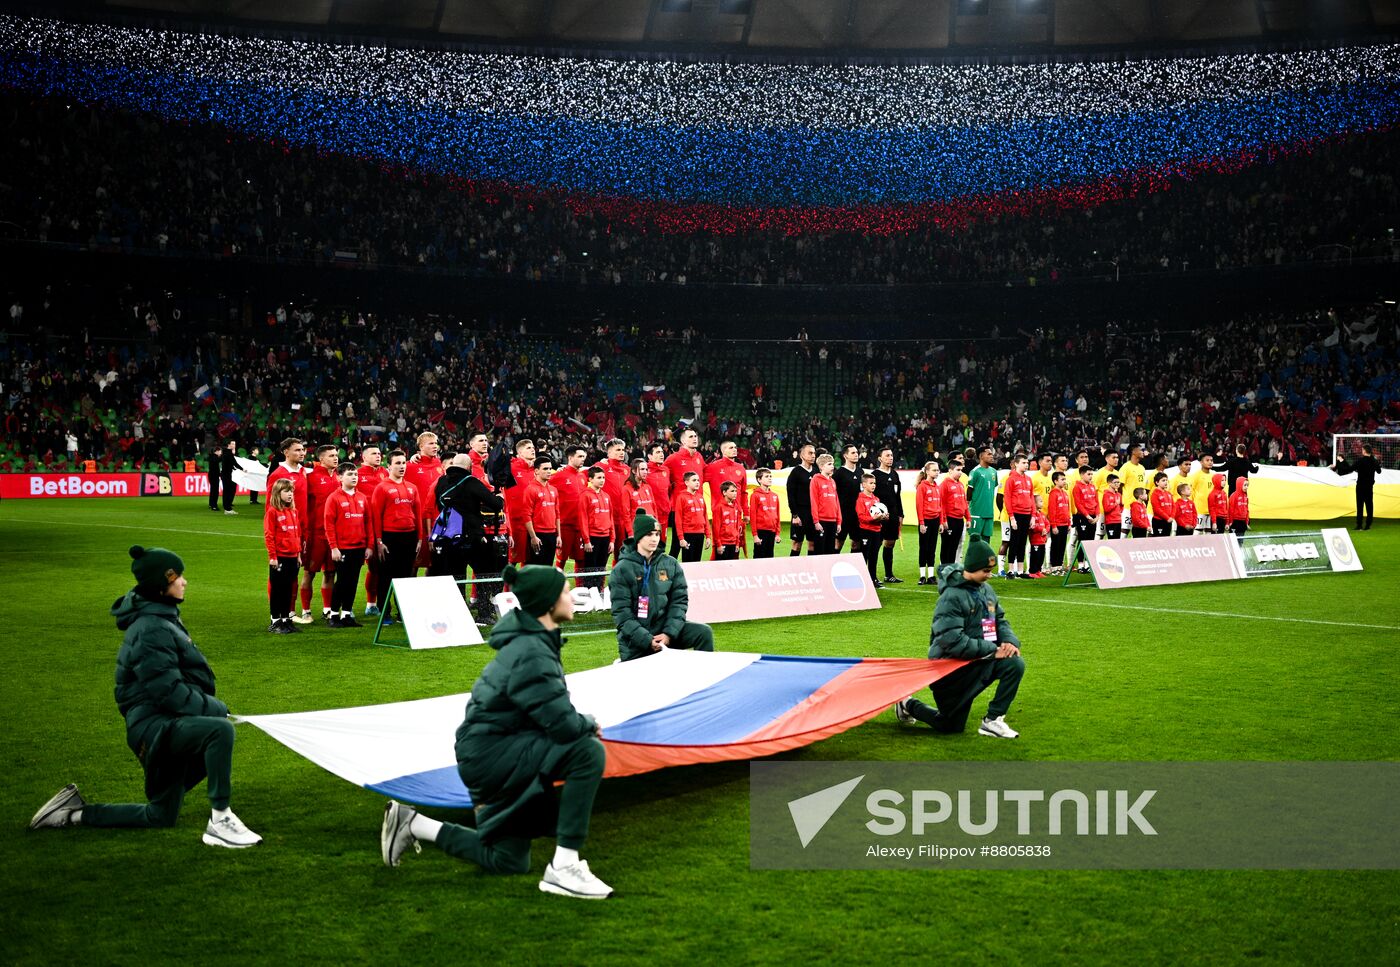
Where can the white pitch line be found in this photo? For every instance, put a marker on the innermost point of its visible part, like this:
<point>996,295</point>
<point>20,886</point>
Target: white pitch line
<point>130,527</point>
<point>1205,614</point>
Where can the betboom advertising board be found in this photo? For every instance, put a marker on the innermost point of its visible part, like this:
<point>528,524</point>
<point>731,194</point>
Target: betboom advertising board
<point>144,484</point>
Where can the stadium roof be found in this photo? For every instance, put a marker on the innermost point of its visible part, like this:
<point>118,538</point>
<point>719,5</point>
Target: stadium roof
<point>846,28</point>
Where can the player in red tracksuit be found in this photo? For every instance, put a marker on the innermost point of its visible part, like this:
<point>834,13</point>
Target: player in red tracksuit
<point>522,471</point>
<point>825,505</point>
<point>423,472</point>
<point>321,483</point>
<point>659,480</point>
<point>596,524</point>
<point>372,474</point>
<point>1218,505</point>
<point>292,468</point>
<point>395,528</point>
<point>570,482</point>
<point>1186,518</point>
<point>345,522</point>
<point>725,469</point>
<point>1141,522</point>
<point>1040,535</point>
<point>763,515</point>
<point>615,475</point>
<point>870,526</point>
<point>683,461</point>
<point>1020,507</point>
<point>1059,517</point>
<point>1163,507</point>
<point>928,511</point>
<point>282,536</point>
<point>638,493</point>
<point>1239,507</point>
<point>956,514</point>
<point>729,524</point>
<point>541,501</point>
<point>692,523</point>
<point>1112,498</point>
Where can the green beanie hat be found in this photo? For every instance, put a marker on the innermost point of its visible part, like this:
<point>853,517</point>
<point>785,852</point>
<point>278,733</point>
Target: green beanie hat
<point>979,555</point>
<point>154,568</point>
<point>536,586</point>
<point>642,525</point>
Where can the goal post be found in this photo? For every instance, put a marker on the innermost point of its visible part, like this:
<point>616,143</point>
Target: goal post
<point>1386,447</point>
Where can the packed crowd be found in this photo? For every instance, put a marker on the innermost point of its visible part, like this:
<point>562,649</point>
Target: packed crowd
<point>109,180</point>
<point>171,390</point>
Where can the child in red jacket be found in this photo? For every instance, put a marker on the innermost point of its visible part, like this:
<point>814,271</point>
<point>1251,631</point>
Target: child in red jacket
<point>1239,507</point>
<point>282,536</point>
<point>1040,536</point>
<point>1059,520</point>
<point>1186,518</point>
<point>1138,512</point>
<point>1217,505</point>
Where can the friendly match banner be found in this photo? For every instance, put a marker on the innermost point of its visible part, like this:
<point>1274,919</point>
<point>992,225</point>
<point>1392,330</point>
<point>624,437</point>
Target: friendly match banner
<point>1164,560</point>
<point>778,587</point>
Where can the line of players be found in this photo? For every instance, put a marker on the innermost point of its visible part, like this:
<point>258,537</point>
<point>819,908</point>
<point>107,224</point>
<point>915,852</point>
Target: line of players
<point>333,519</point>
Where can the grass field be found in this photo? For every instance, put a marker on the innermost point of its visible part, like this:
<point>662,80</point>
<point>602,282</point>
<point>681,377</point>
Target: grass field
<point>1270,669</point>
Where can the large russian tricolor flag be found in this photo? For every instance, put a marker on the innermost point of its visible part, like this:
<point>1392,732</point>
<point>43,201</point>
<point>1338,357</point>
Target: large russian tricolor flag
<point>670,709</point>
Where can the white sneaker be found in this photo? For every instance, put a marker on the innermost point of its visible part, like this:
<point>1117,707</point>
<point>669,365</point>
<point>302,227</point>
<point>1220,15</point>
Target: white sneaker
<point>57,812</point>
<point>230,832</point>
<point>231,513</point>
<point>396,834</point>
<point>997,728</point>
<point>574,880</point>
<point>325,613</point>
<point>302,619</point>
<point>901,714</point>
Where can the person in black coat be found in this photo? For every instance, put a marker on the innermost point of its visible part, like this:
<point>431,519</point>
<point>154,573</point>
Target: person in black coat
<point>228,463</point>
<point>216,456</point>
<point>1238,466</point>
<point>470,497</point>
<point>1366,467</point>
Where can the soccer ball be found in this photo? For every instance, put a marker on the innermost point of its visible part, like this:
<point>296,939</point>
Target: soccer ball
<point>879,510</point>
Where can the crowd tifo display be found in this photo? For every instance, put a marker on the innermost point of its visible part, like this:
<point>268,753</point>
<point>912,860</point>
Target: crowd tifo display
<point>734,147</point>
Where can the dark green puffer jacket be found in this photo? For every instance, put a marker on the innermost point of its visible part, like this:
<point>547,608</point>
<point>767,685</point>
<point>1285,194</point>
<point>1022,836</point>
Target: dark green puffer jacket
<point>668,599</point>
<point>519,720</point>
<point>161,675</point>
<point>957,618</point>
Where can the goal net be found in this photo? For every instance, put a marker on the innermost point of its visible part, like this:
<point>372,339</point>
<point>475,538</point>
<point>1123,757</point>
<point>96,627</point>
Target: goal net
<point>1385,446</point>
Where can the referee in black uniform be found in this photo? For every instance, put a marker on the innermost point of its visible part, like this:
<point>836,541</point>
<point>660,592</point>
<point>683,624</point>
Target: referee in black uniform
<point>799,500</point>
<point>887,489</point>
<point>847,477</point>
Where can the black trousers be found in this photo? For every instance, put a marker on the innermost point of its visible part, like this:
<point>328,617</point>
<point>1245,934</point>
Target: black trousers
<point>1365,506</point>
<point>1037,558</point>
<point>548,544</point>
<point>1016,549</point>
<point>281,586</point>
<point>347,579</point>
<point>1057,546</point>
<point>727,552</point>
<point>397,563</point>
<point>230,492</point>
<point>763,542</point>
<point>869,545</point>
<point>951,540</point>
<point>213,491</point>
<point>696,548</point>
<point>1084,528</point>
<point>1161,527</point>
<point>1112,532</point>
<point>825,542</point>
<point>1139,532</point>
<point>448,559</point>
<point>675,535</point>
<point>1184,531</point>
<point>1239,527</point>
<point>597,560</point>
<point>928,543</point>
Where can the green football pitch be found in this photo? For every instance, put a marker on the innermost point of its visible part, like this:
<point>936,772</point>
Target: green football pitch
<point>1288,668</point>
